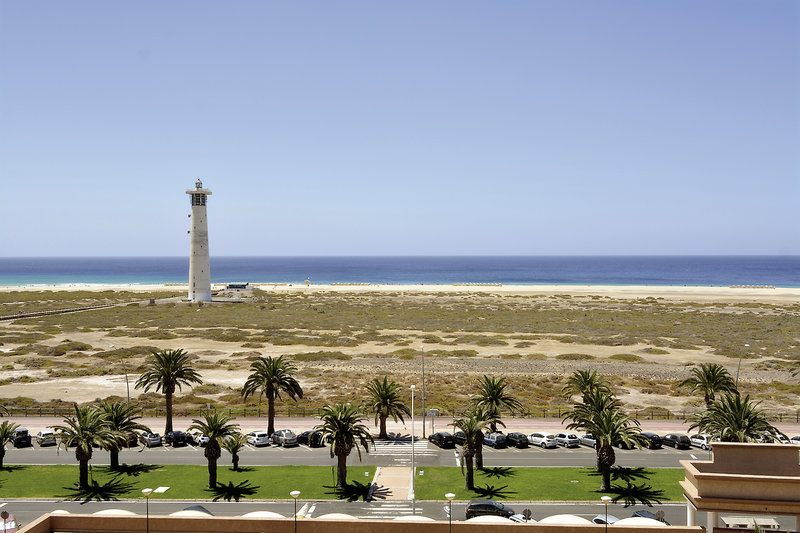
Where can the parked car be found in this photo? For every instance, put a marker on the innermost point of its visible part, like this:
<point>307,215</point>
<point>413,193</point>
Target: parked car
<point>653,440</point>
<point>284,437</point>
<point>644,513</point>
<point>495,440</point>
<point>46,438</point>
<point>588,440</point>
<point>176,438</point>
<point>567,440</point>
<point>258,438</point>
<point>676,440</point>
<point>517,440</point>
<point>150,439</point>
<point>198,438</point>
<point>311,438</point>
<point>460,437</point>
<point>442,439</point>
<point>131,439</point>
<point>623,446</point>
<point>795,439</point>
<point>701,440</point>
<point>21,438</point>
<point>545,440</point>
<point>488,507</point>
<point>605,519</point>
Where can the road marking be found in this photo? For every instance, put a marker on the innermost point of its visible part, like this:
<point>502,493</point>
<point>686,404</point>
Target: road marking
<point>2,504</point>
<point>249,446</point>
<point>302,510</point>
<point>311,511</point>
<point>693,456</point>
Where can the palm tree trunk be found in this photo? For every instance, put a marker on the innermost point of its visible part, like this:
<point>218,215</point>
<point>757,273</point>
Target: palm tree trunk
<point>270,414</point>
<point>479,450</point>
<point>2,455</point>
<point>83,474</point>
<point>606,459</point>
<point>212,473</point>
<point>114,454</point>
<point>341,471</point>
<point>168,426</point>
<point>469,478</point>
<point>383,434</point>
<point>235,459</point>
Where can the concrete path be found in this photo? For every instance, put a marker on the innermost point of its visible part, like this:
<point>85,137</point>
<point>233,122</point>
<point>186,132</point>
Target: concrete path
<point>392,483</point>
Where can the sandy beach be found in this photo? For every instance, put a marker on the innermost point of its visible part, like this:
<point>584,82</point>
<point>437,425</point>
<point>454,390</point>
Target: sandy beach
<point>698,293</point>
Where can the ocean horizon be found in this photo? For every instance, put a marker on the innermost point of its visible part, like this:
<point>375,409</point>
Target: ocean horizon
<point>778,271</point>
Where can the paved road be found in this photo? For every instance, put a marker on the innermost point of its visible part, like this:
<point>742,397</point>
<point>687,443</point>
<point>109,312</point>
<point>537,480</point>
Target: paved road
<point>26,511</point>
<point>383,454</point>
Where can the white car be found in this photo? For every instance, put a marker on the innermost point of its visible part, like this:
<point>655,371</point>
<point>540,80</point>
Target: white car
<point>568,440</point>
<point>795,439</point>
<point>46,438</point>
<point>701,440</point>
<point>258,438</point>
<point>199,438</point>
<point>545,440</point>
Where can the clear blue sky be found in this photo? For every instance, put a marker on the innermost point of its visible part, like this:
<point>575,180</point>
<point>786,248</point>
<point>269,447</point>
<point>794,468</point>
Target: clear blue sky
<point>401,128</point>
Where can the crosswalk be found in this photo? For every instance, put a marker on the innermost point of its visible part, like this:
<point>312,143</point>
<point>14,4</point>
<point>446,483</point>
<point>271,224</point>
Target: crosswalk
<point>387,510</point>
<point>402,451</point>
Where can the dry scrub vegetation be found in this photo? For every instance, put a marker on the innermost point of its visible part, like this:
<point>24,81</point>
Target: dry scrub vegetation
<point>341,340</point>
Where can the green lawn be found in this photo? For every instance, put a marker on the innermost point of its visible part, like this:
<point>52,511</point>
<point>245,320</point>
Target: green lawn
<point>185,482</point>
<point>545,484</point>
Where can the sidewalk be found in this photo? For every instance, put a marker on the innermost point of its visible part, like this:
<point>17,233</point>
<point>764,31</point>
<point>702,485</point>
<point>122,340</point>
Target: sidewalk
<point>299,424</point>
<point>392,483</point>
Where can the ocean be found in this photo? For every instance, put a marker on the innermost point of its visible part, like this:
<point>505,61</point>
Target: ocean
<point>779,271</point>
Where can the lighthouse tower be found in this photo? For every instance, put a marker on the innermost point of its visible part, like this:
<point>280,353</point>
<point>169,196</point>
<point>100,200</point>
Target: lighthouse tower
<point>199,268</point>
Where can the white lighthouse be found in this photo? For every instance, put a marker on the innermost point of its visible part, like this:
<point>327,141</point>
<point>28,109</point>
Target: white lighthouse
<point>199,264</point>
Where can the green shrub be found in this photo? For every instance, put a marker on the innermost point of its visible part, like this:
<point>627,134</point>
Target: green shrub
<point>629,357</point>
<point>575,356</point>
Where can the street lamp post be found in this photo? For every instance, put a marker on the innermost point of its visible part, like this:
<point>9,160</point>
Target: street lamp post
<point>423,391</point>
<point>127,383</point>
<point>738,365</point>
<point>605,500</point>
<point>450,497</point>
<point>413,484</point>
<point>295,494</point>
<point>147,493</point>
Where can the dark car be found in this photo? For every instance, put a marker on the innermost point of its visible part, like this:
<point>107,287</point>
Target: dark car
<point>311,438</point>
<point>495,440</point>
<point>21,438</point>
<point>653,440</point>
<point>676,440</point>
<point>488,507</point>
<point>442,439</point>
<point>647,514</point>
<point>176,438</point>
<point>517,440</point>
<point>131,439</point>
<point>459,437</point>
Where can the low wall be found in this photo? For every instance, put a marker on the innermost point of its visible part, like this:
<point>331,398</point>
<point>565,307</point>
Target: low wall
<point>219,524</point>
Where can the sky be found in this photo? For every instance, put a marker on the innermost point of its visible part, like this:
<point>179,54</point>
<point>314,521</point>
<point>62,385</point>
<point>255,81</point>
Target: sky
<point>401,128</point>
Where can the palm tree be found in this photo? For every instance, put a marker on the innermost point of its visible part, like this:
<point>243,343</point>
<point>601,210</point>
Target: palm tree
<point>472,424</point>
<point>710,378</point>
<point>343,423</point>
<point>734,419</point>
<point>490,418</point>
<point>89,427</point>
<point>166,371</point>
<point>492,395</point>
<point>270,376</point>
<point>217,427</point>
<point>121,417</point>
<point>233,446</point>
<point>6,435</point>
<point>384,399</point>
<point>3,410</point>
<point>581,382</point>
<point>599,414</point>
